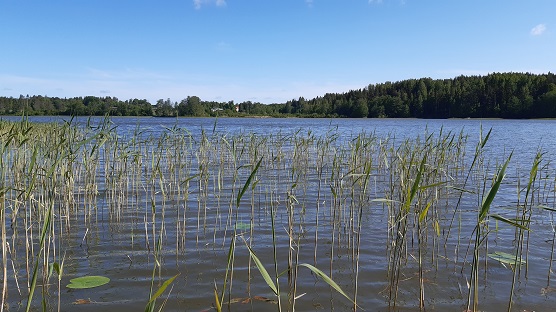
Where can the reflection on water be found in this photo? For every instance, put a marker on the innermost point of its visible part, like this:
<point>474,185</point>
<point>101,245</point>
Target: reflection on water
<point>159,198</point>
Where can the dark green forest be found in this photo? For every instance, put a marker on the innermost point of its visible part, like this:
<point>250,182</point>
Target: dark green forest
<point>497,95</point>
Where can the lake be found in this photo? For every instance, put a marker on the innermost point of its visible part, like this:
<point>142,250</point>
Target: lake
<point>388,208</point>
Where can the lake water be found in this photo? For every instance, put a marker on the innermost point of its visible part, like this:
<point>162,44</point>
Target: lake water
<point>172,210</point>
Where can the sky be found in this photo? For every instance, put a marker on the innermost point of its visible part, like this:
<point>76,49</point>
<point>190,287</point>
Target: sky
<point>267,51</point>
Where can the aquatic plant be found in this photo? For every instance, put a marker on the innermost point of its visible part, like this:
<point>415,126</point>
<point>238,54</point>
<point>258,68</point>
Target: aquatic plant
<point>425,212</point>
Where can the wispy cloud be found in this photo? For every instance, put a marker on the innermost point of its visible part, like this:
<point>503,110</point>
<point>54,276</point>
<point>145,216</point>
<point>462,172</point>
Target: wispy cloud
<point>309,3</point>
<point>199,3</point>
<point>132,74</point>
<point>141,84</point>
<point>375,1</point>
<point>123,84</point>
<point>538,30</point>
<point>223,46</point>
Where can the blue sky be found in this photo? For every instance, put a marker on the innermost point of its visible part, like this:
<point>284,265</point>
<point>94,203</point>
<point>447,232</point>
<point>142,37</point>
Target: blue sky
<point>266,51</point>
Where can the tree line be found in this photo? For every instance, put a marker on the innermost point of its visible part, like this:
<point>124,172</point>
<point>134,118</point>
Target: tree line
<point>497,95</point>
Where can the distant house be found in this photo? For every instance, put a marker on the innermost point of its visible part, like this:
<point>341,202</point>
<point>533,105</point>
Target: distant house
<point>216,109</point>
<point>237,108</point>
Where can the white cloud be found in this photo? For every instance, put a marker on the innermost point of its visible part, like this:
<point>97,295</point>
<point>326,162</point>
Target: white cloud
<point>124,74</point>
<point>375,1</point>
<point>223,46</point>
<point>538,30</point>
<point>143,84</point>
<point>199,3</point>
<point>124,84</point>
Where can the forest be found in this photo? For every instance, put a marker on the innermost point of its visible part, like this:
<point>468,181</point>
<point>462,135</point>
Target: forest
<point>496,95</point>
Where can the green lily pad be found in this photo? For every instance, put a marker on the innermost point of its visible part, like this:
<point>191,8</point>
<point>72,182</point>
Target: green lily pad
<point>87,282</point>
<point>505,258</point>
<point>243,226</point>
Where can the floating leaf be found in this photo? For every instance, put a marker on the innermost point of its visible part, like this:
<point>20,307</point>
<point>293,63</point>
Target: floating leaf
<point>241,226</point>
<point>505,258</point>
<point>87,282</point>
<point>82,301</point>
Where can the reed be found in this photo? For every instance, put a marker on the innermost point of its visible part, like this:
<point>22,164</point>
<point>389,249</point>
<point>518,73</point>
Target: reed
<point>481,235</point>
<point>303,204</point>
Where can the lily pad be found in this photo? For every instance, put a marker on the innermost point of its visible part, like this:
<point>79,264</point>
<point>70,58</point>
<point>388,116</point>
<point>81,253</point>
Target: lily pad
<point>243,226</point>
<point>505,258</point>
<point>87,282</point>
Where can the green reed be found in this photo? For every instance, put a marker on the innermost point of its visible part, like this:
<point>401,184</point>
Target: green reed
<point>35,164</point>
<point>316,193</point>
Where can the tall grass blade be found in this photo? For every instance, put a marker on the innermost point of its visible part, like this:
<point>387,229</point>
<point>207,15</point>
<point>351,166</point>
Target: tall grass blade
<point>415,185</point>
<point>162,288</point>
<point>487,201</point>
<point>263,271</point>
<point>44,231</point>
<point>510,222</point>
<point>248,182</point>
<point>546,208</point>
<point>328,280</point>
<point>484,141</point>
<point>423,213</point>
<point>217,304</point>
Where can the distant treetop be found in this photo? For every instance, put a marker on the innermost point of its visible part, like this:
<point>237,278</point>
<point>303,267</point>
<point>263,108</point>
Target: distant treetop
<point>497,95</point>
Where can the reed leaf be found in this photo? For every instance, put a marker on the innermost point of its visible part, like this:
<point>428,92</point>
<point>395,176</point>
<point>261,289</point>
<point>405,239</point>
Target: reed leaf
<point>328,280</point>
<point>248,182</point>
<point>546,208</point>
<point>461,190</point>
<point>533,173</point>
<point>162,288</point>
<point>415,185</point>
<point>44,231</point>
<point>384,201</point>
<point>484,141</point>
<point>263,271</point>
<point>217,304</point>
<point>424,187</point>
<point>423,213</point>
<point>510,222</point>
<point>487,201</point>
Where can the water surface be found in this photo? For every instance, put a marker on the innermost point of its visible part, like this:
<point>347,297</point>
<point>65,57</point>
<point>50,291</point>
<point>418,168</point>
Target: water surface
<point>192,224</point>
